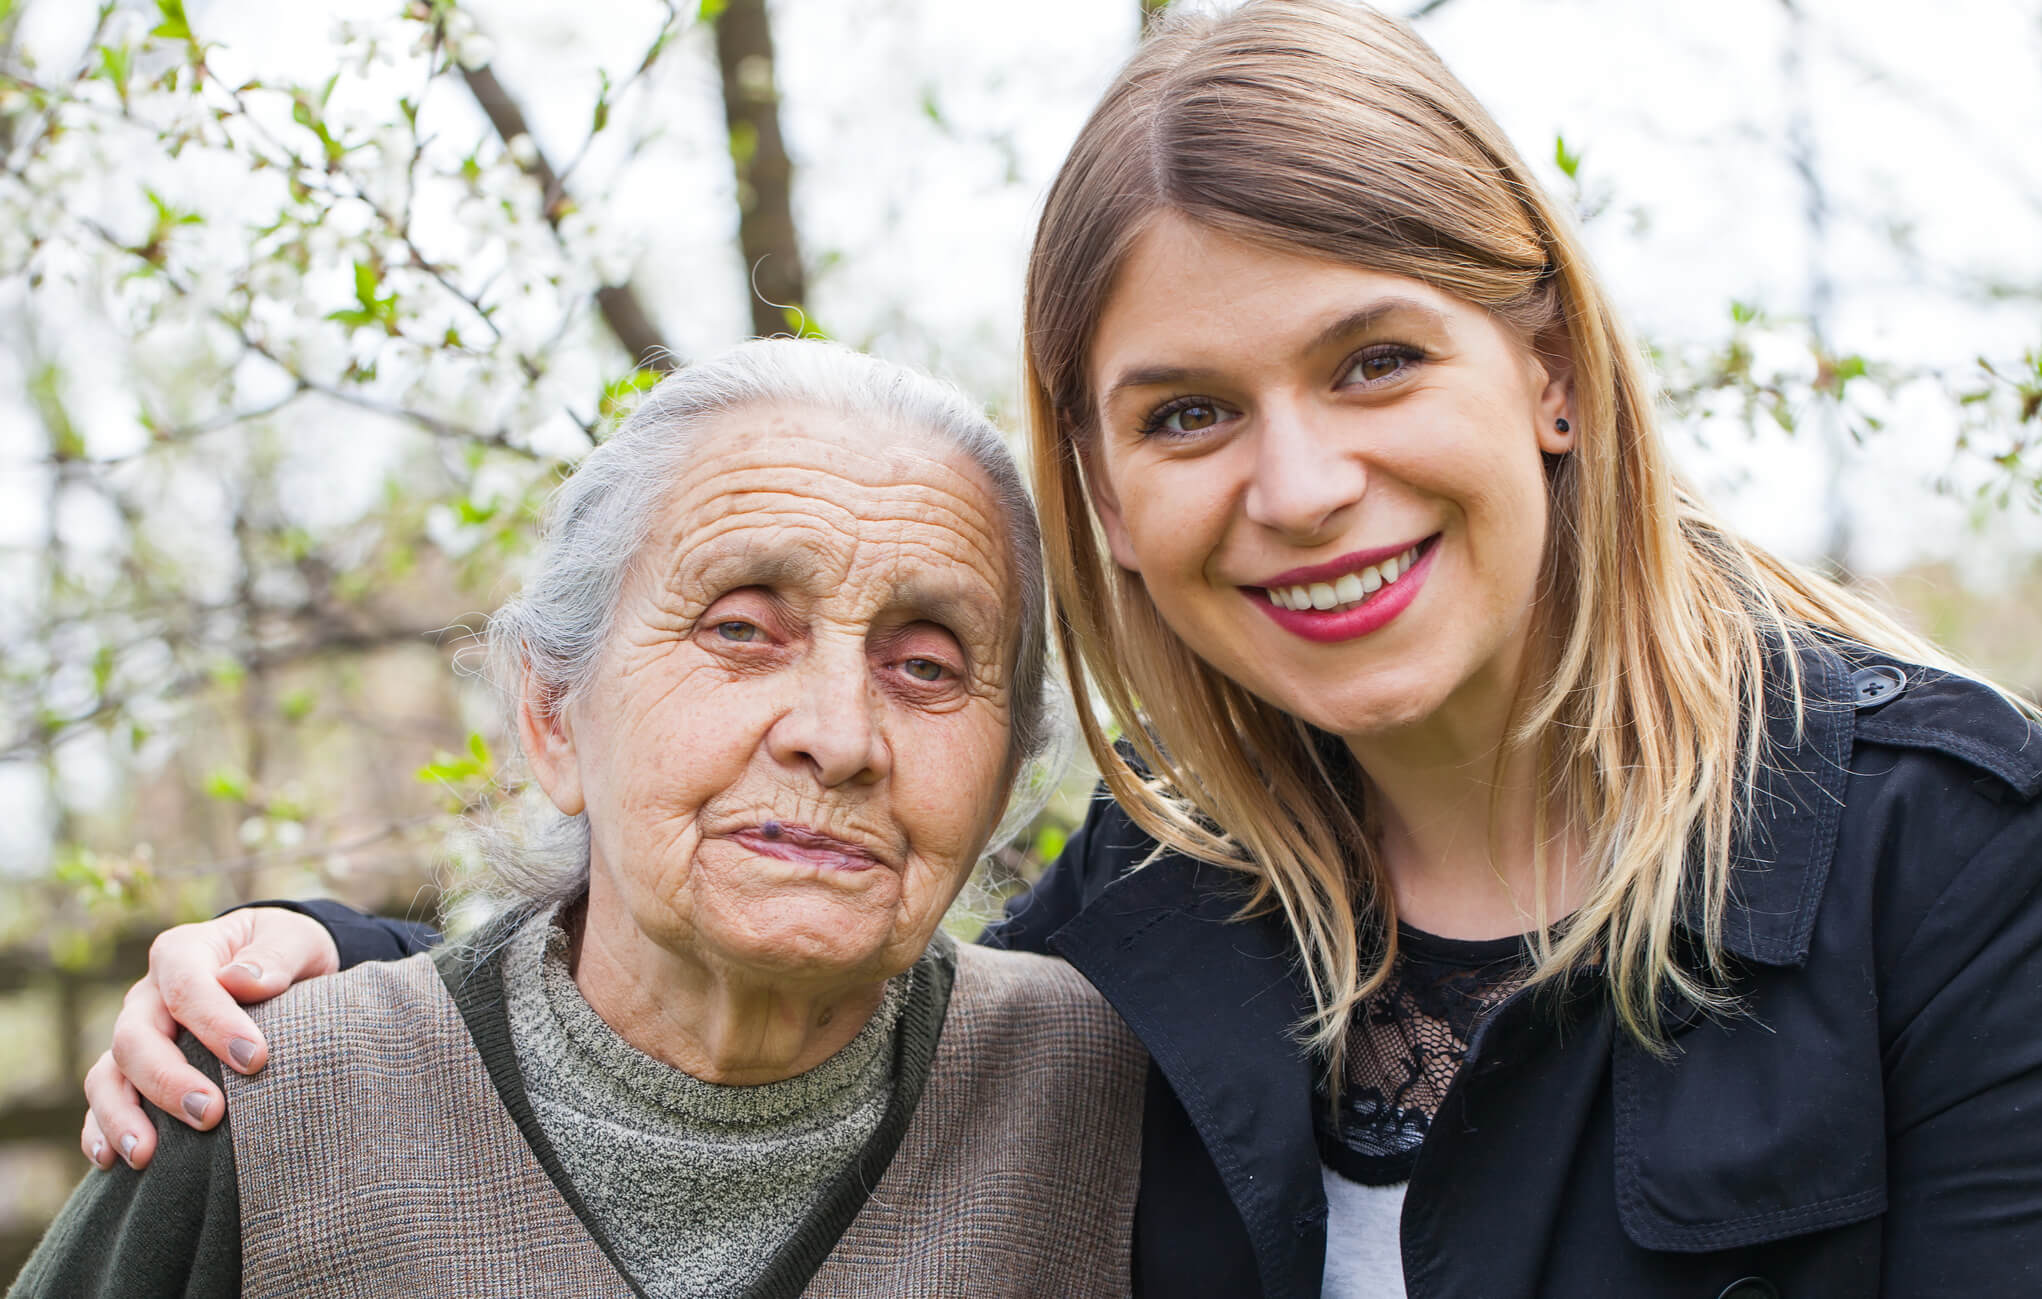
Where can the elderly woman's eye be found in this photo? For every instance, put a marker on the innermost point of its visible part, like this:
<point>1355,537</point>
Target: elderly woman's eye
<point>924,669</point>
<point>737,630</point>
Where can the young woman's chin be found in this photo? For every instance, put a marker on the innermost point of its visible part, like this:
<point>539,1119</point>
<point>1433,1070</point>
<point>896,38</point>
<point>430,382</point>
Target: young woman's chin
<point>1364,715</point>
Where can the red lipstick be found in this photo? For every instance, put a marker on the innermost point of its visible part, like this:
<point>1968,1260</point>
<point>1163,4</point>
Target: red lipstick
<point>1336,568</point>
<point>1347,624</point>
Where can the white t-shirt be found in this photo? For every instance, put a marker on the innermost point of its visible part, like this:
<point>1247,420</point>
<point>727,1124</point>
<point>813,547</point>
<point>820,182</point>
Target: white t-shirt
<point>1364,1255</point>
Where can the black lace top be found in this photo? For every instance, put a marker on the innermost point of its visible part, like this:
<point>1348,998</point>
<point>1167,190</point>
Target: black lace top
<point>1404,1047</point>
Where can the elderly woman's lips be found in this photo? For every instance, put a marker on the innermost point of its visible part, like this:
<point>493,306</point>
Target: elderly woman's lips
<point>797,843</point>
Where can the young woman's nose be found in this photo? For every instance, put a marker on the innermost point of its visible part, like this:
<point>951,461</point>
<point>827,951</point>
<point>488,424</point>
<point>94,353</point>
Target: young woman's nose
<point>1302,478</point>
<point>833,726</point>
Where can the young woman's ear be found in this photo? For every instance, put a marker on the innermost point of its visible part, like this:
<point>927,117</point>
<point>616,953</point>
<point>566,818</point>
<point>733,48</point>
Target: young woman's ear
<point>1553,371</point>
<point>548,738</point>
<point>1106,505</point>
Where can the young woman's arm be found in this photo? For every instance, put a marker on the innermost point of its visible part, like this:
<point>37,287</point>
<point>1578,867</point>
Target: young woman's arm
<point>199,977</point>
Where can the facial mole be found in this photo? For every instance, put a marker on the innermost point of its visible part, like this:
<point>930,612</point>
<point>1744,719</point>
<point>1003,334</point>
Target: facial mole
<point>771,829</point>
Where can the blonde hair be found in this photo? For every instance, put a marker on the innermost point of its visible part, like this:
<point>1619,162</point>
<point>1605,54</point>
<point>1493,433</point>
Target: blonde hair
<point>1328,129</point>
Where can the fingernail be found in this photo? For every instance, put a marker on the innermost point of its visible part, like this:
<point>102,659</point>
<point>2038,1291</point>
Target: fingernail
<point>195,1104</point>
<point>242,1050</point>
<point>128,1148</point>
<point>99,1153</point>
<point>254,970</point>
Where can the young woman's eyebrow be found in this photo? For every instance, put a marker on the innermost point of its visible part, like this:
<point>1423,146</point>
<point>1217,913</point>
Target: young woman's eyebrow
<point>1375,315</point>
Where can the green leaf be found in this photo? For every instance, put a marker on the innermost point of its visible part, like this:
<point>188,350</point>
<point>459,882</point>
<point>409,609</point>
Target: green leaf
<point>479,747</point>
<point>116,65</point>
<point>1565,159</point>
<point>744,145</point>
<point>652,54</point>
<point>1742,313</point>
<point>801,324</point>
<point>617,394</point>
<point>711,10</point>
<point>446,769</point>
<point>174,27</point>
<point>602,114</point>
<point>227,785</point>
<point>1049,843</point>
<point>102,669</point>
<point>297,705</point>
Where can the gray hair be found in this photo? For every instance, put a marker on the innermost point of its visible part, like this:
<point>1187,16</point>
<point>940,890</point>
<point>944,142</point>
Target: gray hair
<point>555,630</point>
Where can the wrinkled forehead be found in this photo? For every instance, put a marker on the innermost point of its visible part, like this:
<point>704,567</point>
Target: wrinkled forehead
<point>869,515</point>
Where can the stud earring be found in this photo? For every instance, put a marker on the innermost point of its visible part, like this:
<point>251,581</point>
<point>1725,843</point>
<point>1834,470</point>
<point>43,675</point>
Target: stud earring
<point>1562,426</point>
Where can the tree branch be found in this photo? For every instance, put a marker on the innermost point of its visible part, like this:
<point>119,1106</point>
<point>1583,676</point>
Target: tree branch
<point>619,304</point>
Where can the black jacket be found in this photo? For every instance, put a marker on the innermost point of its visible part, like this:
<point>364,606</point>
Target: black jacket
<point>1871,1126</point>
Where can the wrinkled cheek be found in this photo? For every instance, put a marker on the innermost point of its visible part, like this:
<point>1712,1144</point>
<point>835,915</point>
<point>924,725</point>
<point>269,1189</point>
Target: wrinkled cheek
<point>654,855</point>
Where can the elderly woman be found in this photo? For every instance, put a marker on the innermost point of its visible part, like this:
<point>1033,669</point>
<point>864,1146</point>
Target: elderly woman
<point>780,663</point>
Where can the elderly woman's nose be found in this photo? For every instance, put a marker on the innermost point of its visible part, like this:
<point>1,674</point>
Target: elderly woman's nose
<point>1302,475</point>
<point>833,725</point>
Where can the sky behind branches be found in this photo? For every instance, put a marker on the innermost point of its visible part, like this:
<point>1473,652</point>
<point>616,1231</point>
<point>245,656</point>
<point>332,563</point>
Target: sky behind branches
<point>925,133</point>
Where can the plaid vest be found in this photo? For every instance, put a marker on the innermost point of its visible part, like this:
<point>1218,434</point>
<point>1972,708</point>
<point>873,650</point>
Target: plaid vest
<point>375,1156</point>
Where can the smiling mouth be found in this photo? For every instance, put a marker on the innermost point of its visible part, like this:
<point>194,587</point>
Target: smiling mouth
<point>786,841</point>
<point>1349,590</point>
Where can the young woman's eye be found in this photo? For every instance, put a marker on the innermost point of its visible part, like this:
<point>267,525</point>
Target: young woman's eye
<point>736,629</point>
<point>1184,417</point>
<point>1379,366</point>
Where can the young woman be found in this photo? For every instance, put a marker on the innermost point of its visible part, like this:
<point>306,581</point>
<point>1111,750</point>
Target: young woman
<point>1523,885</point>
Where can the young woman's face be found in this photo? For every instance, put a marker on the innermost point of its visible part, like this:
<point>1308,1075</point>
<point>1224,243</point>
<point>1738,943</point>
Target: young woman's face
<point>1328,478</point>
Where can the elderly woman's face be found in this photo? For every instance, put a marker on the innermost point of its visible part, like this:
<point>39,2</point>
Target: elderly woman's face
<point>797,742</point>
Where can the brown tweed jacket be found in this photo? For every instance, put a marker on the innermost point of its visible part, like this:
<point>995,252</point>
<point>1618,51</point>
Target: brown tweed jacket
<point>376,1156</point>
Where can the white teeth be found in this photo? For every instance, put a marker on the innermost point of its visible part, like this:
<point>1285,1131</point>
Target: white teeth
<point>1349,589</point>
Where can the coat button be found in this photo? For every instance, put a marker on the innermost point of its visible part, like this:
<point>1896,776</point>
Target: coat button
<point>1751,1287</point>
<point>1873,686</point>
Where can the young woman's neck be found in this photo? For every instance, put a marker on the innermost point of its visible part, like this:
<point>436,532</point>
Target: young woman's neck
<point>1457,827</point>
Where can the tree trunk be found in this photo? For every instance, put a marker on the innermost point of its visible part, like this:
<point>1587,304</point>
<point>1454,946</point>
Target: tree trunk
<point>765,177</point>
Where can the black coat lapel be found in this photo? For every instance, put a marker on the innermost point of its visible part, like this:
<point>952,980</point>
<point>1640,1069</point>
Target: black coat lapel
<point>1216,1001</point>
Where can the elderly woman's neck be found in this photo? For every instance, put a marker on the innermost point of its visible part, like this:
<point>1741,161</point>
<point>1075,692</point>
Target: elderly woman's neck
<point>717,1024</point>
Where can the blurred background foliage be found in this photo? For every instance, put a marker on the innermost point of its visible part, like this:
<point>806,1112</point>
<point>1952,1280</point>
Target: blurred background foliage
<point>302,314</point>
